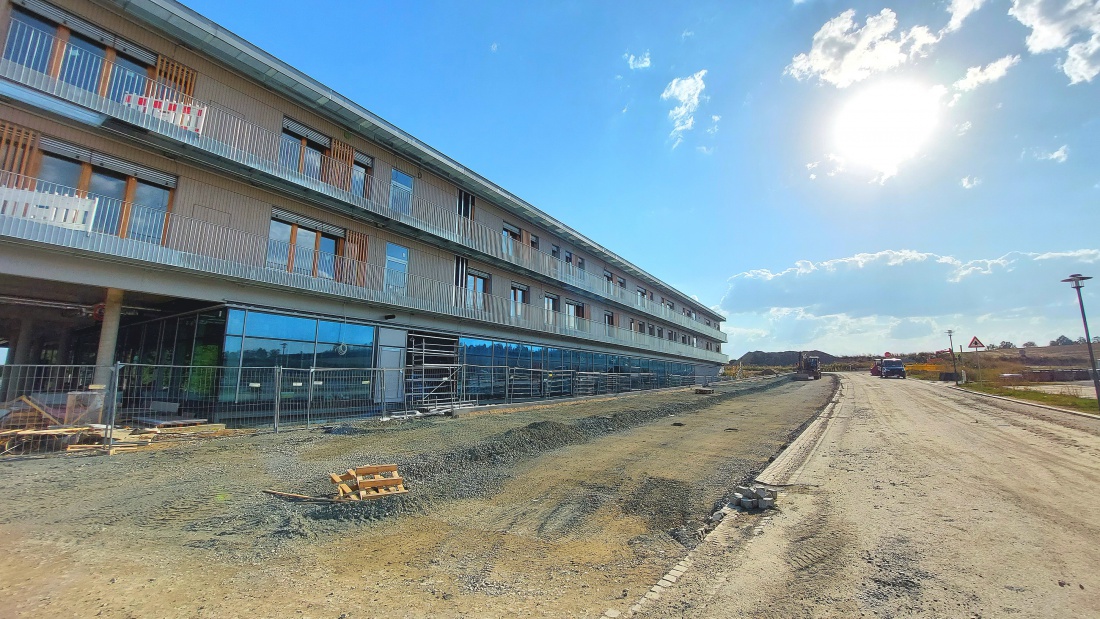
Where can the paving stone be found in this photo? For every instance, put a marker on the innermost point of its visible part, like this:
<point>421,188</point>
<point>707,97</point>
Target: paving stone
<point>653,596</point>
<point>664,582</point>
<point>670,577</point>
<point>768,503</point>
<point>611,612</point>
<point>657,589</point>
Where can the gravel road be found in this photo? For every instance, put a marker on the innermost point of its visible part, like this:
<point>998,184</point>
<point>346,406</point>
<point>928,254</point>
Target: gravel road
<point>553,510</point>
<point>915,500</point>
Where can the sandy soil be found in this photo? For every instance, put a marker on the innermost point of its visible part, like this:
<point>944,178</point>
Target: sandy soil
<point>560,511</point>
<point>1078,388</point>
<point>915,500</point>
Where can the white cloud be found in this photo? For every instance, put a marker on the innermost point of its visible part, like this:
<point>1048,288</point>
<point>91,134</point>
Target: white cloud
<point>687,34</point>
<point>687,91</point>
<point>903,300</point>
<point>976,76</point>
<point>493,48</point>
<point>843,53</point>
<point>1058,156</point>
<point>960,10</point>
<point>1073,26</point>
<point>714,124</point>
<point>637,62</point>
<point>962,128</point>
<point>970,182</point>
<point>706,150</point>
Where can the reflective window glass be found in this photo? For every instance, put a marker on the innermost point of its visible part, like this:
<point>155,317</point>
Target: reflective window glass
<point>267,352</point>
<point>337,332</point>
<point>30,41</point>
<point>231,353</point>
<point>148,211</point>
<point>278,246</point>
<point>234,324</point>
<point>82,63</point>
<point>401,188</point>
<point>127,77</point>
<point>261,324</point>
<point>59,171</point>
<point>110,187</point>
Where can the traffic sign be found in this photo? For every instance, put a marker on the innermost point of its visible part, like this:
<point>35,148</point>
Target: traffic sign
<point>975,343</point>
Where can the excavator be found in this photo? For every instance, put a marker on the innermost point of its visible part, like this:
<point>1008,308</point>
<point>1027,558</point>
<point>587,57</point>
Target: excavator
<point>808,368</point>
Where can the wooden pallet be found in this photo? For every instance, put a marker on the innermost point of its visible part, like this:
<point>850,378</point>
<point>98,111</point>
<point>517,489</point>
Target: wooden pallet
<point>366,483</point>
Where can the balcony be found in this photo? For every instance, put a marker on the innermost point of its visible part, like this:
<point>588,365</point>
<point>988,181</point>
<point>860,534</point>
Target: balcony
<point>135,232</point>
<point>30,59</point>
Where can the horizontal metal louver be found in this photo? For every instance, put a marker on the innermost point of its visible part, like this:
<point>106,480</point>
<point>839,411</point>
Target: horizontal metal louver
<point>366,160</point>
<point>80,153</point>
<point>306,222</point>
<point>92,31</point>
<point>519,286</point>
<point>298,128</point>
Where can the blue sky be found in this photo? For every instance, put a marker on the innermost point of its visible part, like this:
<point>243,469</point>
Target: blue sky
<point>849,176</point>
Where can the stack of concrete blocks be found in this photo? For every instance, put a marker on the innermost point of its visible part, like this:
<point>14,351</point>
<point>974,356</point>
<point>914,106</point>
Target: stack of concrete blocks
<point>753,497</point>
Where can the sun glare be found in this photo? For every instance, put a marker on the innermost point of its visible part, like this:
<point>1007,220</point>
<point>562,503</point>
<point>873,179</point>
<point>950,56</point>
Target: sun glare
<point>886,125</point>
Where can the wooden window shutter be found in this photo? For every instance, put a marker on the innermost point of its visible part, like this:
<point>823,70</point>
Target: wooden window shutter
<point>337,168</point>
<point>18,147</point>
<point>355,259</point>
<point>172,80</point>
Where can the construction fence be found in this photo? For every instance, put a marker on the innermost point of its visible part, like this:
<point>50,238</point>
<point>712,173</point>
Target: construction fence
<point>44,398</point>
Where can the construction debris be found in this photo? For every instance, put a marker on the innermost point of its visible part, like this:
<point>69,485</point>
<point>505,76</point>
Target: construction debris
<point>368,482</point>
<point>362,483</point>
<point>753,497</point>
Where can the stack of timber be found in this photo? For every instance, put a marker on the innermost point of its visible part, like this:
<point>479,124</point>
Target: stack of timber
<point>365,483</point>
<point>362,483</point>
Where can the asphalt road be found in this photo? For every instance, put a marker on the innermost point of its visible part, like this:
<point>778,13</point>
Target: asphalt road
<point>912,499</point>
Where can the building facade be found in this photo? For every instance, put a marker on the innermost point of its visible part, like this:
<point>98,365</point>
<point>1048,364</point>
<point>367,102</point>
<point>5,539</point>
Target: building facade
<point>171,195</point>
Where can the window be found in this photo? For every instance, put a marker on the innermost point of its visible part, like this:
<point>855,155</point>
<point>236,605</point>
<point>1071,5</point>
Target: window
<point>609,323</point>
<point>360,173</point>
<point>660,333</point>
<point>641,327</point>
<point>477,287</point>
<point>397,268</point>
<point>651,328</point>
<point>574,315</point>
<point>580,263</point>
<point>555,251</point>
<point>128,206</point>
<point>534,242</point>
<point>465,204</point>
<point>641,296</point>
<point>301,154</point>
<point>551,307</point>
<point>622,282</point>
<point>300,249</point>
<point>520,297</point>
<point>401,191</point>
<point>607,276</point>
<point>509,235</point>
<point>568,257</point>
<point>631,324</point>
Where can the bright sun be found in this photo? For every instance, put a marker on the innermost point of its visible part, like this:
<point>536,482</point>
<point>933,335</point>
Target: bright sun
<point>886,125</point>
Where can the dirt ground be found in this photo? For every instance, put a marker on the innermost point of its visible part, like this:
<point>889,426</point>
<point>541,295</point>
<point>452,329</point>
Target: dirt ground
<point>911,499</point>
<point>560,510</point>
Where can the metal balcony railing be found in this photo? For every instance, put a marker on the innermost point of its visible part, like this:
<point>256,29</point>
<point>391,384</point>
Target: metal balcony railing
<point>40,61</point>
<point>136,232</point>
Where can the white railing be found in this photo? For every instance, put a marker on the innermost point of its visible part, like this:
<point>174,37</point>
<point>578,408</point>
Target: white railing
<point>31,58</point>
<point>208,248</point>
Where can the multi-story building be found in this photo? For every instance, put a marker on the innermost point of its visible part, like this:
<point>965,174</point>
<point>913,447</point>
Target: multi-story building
<point>173,195</point>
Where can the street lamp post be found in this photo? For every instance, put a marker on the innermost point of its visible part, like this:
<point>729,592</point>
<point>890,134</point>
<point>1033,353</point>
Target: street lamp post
<point>1075,281</point>
<point>951,349</point>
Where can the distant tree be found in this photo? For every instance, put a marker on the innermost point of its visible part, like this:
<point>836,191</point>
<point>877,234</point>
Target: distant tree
<point>1006,344</point>
<point>1096,339</point>
<point>1082,340</point>
<point>1061,341</point>
<point>1030,345</point>
<point>991,347</point>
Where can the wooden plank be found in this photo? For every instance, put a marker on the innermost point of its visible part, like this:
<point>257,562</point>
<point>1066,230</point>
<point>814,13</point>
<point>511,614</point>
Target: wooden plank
<point>302,497</point>
<point>385,482</point>
<point>29,401</point>
<point>375,469</point>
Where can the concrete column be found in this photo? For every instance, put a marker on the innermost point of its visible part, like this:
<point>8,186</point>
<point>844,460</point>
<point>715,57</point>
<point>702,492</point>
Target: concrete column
<point>64,344</point>
<point>108,334</point>
<point>21,353</point>
<point>18,354</point>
